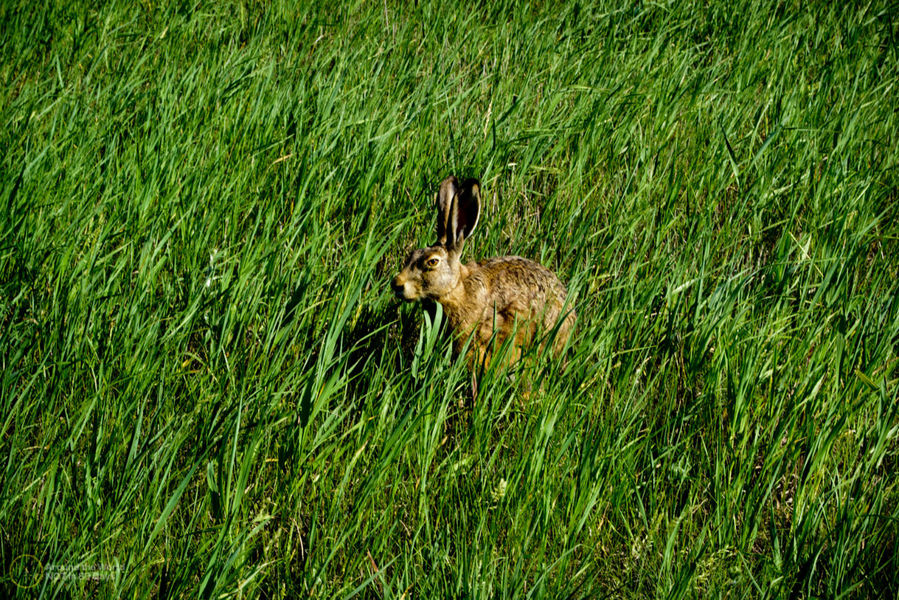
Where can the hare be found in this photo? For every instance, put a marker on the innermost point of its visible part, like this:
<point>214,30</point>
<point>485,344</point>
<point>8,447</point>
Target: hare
<point>492,300</point>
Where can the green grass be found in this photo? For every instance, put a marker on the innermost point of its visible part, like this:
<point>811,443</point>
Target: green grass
<point>208,390</point>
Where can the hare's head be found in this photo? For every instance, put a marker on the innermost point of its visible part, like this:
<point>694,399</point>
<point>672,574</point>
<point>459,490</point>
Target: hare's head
<point>434,271</point>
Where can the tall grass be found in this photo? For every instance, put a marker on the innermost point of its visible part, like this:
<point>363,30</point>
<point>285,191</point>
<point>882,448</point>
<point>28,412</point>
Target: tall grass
<point>207,389</point>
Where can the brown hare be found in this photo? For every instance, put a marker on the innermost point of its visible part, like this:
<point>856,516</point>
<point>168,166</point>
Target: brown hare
<point>492,300</point>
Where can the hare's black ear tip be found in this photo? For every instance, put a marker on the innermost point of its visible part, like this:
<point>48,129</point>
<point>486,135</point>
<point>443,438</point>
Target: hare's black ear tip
<point>472,184</point>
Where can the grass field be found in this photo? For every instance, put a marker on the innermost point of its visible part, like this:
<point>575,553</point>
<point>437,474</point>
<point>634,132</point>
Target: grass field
<point>208,389</point>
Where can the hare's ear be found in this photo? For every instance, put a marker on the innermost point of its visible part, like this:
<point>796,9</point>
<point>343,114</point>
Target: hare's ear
<point>464,214</point>
<point>449,189</point>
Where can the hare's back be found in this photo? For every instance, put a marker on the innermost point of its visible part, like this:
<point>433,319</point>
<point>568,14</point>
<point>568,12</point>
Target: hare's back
<point>520,285</point>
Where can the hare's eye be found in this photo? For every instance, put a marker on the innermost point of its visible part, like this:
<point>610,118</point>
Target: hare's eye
<point>432,262</point>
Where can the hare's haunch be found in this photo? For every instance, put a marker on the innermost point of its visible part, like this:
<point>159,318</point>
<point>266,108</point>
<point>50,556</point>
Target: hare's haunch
<point>502,297</point>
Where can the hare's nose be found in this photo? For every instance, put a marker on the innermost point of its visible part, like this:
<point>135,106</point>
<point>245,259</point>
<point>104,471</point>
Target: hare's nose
<point>398,286</point>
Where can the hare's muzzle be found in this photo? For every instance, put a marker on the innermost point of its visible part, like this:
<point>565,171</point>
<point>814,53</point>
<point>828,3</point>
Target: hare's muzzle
<point>405,288</point>
<point>399,287</point>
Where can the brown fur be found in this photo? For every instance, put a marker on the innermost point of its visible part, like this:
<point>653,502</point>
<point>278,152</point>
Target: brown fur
<point>508,296</point>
